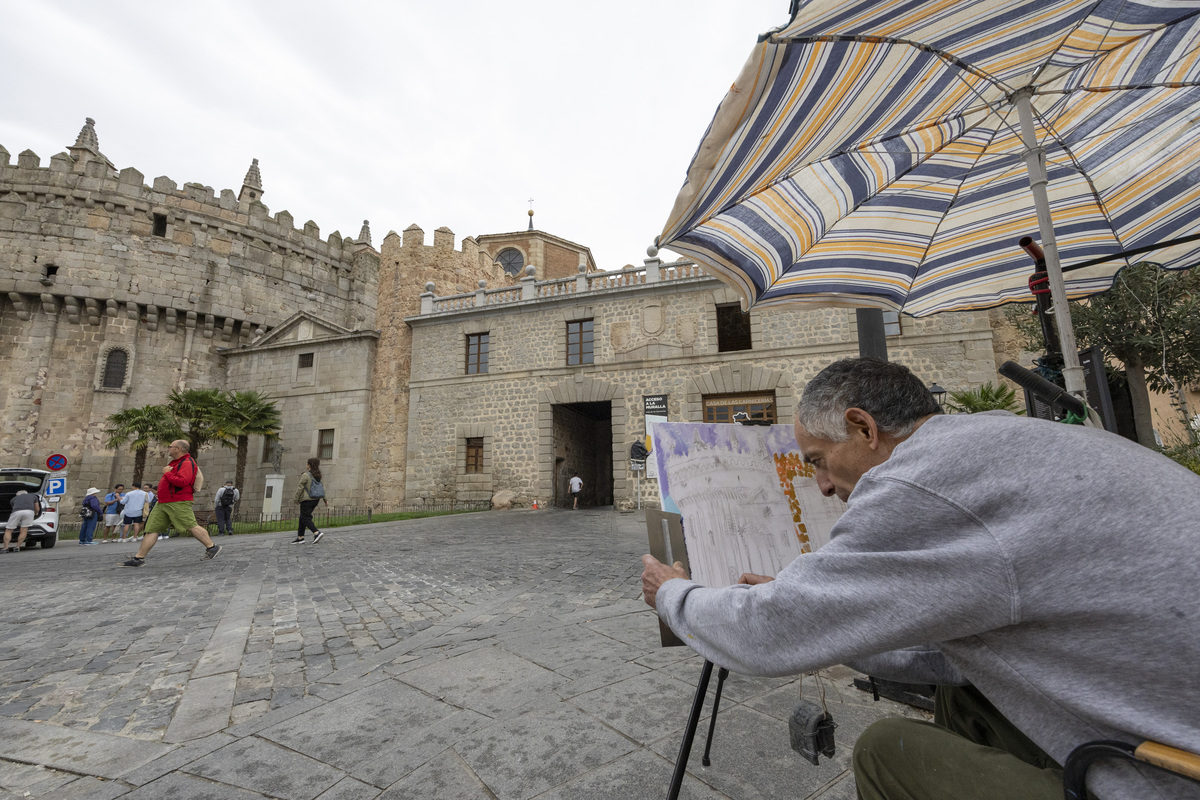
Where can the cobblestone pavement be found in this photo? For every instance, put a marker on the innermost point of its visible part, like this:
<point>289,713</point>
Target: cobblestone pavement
<point>490,655</point>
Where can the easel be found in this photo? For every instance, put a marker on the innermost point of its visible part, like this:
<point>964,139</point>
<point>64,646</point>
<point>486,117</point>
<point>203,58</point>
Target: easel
<point>689,732</point>
<point>667,545</point>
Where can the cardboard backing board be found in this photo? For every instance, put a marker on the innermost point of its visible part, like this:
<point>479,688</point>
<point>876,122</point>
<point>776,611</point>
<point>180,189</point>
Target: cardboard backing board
<point>665,532</point>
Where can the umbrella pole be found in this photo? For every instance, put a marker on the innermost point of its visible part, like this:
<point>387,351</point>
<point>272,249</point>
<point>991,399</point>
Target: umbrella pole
<point>1035,162</point>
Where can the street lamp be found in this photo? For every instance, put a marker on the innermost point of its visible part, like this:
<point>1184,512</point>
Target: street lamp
<point>939,394</point>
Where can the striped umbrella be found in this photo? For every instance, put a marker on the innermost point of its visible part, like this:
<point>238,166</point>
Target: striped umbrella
<point>890,153</point>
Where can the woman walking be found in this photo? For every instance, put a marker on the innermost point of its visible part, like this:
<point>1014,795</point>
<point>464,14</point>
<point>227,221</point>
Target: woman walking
<point>309,492</point>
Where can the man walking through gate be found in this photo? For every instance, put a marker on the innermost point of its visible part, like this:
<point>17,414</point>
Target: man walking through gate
<point>176,491</point>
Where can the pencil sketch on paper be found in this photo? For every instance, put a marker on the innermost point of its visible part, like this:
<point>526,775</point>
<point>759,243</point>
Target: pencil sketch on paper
<point>749,502</point>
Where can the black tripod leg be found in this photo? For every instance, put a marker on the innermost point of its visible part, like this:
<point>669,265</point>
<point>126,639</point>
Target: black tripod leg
<point>689,733</point>
<point>722,674</point>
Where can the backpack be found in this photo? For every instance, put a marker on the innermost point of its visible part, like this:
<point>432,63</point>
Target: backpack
<point>86,512</point>
<point>198,483</point>
<point>227,497</point>
<point>315,490</point>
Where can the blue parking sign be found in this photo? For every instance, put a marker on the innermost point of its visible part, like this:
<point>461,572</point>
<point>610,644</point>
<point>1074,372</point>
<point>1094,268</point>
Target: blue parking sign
<point>56,486</point>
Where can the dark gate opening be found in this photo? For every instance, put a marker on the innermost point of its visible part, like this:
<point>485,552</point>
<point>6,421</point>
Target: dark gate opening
<point>583,445</point>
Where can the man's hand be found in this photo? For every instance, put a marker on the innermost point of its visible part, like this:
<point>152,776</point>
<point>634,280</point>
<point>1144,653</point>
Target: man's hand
<point>166,469</point>
<point>753,579</point>
<point>655,574</point>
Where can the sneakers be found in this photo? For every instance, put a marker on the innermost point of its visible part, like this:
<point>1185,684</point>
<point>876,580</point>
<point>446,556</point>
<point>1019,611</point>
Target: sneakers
<point>162,536</point>
<point>317,536</point>
<point>211,552</point>
<point>133,561</point>
<point>298,540</point>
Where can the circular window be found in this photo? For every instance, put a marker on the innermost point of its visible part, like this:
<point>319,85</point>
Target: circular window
<point>511,260</point>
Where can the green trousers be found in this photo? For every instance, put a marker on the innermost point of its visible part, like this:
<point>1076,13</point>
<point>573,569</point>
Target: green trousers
<point>969,752</point>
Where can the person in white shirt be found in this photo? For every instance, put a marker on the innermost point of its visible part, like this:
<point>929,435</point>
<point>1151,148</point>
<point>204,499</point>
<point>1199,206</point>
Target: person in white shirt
<point>576,488</point>
<point>134,514</point>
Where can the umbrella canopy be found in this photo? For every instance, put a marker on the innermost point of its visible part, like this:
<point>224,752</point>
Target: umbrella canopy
<point>871,153</point>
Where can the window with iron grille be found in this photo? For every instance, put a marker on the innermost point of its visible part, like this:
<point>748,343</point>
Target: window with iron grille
<point>733,328</point>
<point>325,444</point>
<point>115,364</point>
<point>477,353</point>
<point>270,448</point>
<point>722,408</point>
<point>306,360</point>
<point>891,323</point>
<point>579,342</point>
<point>474,455</point>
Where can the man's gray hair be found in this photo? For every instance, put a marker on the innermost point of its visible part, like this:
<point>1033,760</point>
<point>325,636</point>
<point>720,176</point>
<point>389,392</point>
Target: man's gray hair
<point>894,397</point>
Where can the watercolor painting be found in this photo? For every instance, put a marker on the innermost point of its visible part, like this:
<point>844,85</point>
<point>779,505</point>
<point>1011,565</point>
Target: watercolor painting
<point>749,502</point>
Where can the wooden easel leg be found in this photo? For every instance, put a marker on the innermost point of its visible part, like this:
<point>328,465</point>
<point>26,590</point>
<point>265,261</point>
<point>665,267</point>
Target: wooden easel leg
<point>689,732</point>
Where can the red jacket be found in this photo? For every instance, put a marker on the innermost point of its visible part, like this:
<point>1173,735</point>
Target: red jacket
<point>176,486</point>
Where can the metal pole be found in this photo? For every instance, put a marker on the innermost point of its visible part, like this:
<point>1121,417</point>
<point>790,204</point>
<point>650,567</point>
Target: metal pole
<point>1035,162</point>
<point>872,340</point>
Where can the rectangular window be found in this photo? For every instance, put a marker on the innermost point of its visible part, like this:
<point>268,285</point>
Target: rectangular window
<point>723,408</point>
<point>477,353</point>
<point>160,224</point>
<point>733,328</point>
<point>579,342</point>
<point>306,360</point>
<point>270,450</point>
<point>325,444</point>
<point>474,455</point>
<point>891,323</point>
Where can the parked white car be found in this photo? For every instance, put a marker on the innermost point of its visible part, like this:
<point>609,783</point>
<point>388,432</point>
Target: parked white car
<point>44,528</point>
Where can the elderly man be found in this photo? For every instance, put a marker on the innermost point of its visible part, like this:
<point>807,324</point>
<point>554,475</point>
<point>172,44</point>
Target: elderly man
<point>1052,568</point>
<point>176,491</point>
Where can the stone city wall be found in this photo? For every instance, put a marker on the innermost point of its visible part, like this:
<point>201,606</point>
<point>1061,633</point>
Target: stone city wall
<point>82,271</point>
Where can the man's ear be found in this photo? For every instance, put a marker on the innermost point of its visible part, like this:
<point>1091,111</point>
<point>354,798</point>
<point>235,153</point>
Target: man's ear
<point>861,425</point>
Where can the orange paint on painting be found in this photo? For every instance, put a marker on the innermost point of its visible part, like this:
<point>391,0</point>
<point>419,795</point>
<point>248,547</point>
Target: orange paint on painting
<point>789,466</point>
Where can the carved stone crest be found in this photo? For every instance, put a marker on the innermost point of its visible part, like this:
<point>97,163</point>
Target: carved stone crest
<point>686,330</point>
<point>653,319</point>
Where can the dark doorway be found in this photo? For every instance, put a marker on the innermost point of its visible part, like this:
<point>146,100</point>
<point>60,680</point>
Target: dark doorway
<point>583,445</point>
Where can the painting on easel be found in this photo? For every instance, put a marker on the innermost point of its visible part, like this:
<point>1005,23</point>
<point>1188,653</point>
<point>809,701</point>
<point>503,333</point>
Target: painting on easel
<point>749,502</point>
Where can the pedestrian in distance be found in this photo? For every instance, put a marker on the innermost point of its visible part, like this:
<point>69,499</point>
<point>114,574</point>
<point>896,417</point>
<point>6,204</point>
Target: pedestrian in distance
<point>26,508</point>
<point>181,479</point>
<point>309,492</point>
<point>134,514</point>
<point>576,488</point>
<point>89,514</point>
<point>226,497</point>
<point>114,508</point>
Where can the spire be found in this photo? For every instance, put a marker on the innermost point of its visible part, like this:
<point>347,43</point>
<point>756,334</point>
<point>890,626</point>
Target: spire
<point>364,236</point>
<point>87,136</point>
<point>531,213</point>
<point>252,190</point>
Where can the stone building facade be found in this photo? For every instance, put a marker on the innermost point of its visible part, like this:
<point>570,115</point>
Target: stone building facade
<point>114,292</point>
<point>529,418</point>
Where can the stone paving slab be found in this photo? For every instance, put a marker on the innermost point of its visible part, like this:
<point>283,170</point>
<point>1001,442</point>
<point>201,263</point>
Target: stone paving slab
<point>499,655</point>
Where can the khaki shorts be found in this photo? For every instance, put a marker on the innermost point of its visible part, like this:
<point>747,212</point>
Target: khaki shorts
<point>19,519</point>
<point>177,515</point>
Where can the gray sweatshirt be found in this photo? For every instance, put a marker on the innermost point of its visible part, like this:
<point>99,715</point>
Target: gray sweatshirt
<point>1056,568</point>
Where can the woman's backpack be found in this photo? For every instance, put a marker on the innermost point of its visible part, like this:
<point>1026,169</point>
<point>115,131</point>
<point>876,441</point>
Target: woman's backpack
<point>86,512</point>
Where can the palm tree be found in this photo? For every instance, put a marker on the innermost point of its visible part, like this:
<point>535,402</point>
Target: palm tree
<point>199,417</point>
<point>249,414</point>
<point>145,425</point>
<point>988,397</point>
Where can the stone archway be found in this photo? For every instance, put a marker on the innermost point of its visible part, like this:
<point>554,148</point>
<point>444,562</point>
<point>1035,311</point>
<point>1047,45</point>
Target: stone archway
<point>740,378</point>
<point>602,403</point>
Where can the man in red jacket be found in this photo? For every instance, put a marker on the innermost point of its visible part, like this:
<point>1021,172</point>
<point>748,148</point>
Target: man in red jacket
<point>174,507</point>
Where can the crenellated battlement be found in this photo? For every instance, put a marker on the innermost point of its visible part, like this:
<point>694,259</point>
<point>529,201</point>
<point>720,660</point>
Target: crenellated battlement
<point>80,230</point>
<point>193,204</point>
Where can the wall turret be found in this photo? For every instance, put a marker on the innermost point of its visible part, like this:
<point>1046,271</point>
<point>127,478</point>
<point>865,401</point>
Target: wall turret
<point>252,190</point>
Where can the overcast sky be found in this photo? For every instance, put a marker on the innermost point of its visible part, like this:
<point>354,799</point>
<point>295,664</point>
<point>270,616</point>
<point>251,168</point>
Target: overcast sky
<point>450,113</point>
